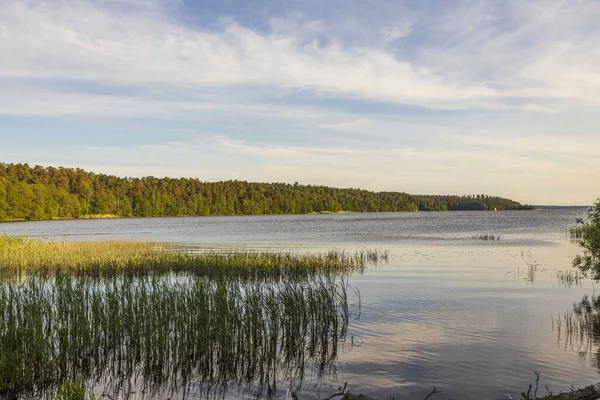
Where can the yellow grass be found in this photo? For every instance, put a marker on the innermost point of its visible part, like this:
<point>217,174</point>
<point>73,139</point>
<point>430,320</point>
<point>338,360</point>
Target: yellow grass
<point>26,256</point>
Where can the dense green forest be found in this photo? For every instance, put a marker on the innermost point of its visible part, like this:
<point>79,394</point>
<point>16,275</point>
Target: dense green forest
<point>45,193</point>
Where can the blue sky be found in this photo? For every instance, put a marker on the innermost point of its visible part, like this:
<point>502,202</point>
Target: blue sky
<point>498,97</point>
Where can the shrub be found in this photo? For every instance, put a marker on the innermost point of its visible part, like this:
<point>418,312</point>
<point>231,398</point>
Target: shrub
<point>589,261</point>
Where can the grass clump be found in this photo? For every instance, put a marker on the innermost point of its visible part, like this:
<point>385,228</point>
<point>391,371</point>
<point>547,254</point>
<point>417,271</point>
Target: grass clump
<point>24,256</point>
<point>73,389</point>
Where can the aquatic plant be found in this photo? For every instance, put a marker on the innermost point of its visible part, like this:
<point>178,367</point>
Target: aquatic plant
<point>486,237</point>
<point>166,333</point>
<point>579,328</point>
<point>373,256</point>
<point>569,278</point>
<point>25,256</point>
<point>532,267</point>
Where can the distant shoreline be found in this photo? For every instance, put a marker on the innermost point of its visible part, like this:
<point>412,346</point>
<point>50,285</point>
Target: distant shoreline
<point>45,193</point>
<point>113,216</point>
<point>559,207</point>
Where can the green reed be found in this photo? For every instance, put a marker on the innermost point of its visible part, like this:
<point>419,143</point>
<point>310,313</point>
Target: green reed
<point>577,232</point>
<point>24,256</point>
<point>73,389</point>
<point>165,333</point>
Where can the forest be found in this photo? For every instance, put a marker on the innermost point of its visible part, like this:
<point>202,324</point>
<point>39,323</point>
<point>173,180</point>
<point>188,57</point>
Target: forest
<point>34,193</point>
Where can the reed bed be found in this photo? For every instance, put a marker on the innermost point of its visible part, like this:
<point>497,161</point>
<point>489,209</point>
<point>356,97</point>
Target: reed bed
<point>166,332</point>
<point>486,237</point>
<point>24,256</point>
<point>120,313</point>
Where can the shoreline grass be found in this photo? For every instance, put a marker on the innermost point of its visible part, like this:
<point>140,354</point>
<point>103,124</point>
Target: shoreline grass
<point>100,216</point>
<point>25,256</point>
<point>115,312</point>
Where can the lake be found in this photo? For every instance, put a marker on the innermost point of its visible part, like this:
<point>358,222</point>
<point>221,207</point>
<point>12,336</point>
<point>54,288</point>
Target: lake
<point>474,318</point>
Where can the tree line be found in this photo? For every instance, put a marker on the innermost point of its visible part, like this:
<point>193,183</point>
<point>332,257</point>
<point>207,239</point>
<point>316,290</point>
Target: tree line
<point>48,193</point>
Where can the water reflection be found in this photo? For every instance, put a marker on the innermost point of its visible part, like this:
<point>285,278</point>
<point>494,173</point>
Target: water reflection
<point>161,336</point>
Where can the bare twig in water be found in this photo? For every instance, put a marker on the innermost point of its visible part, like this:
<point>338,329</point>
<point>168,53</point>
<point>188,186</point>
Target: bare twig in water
<point>537,382</point>
<point>434,391</point>
<point>341,393</point>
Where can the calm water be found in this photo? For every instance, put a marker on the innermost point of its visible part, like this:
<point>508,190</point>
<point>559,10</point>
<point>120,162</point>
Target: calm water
<point>450,311</point>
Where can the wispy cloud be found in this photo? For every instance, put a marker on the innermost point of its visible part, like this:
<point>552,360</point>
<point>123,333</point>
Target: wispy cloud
<point>417,96</point>
<point>478,55</point>
<point>77,40</point>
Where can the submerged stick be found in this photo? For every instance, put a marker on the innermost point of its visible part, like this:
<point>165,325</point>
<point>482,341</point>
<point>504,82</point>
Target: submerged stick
<point>434,391</point>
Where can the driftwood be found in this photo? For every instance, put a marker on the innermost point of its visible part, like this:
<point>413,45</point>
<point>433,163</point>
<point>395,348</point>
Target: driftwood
<point>591,392</point>
<point>340,393</point>
<point>350,396</point>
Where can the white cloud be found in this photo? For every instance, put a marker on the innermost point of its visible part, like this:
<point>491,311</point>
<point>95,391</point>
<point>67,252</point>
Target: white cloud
<point>75,40</point>
<point>539,51</point>
<point>512,90</point>
<point>397,31</point>
<point>546,50</point>
<point>479,56</point>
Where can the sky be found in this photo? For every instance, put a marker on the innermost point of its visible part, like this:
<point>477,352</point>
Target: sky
<point>425,97</point>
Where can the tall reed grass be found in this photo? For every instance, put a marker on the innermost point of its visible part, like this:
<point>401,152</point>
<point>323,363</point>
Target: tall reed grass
<point>167,332</point>
<point>120,313</point>
<point>25,256</point>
